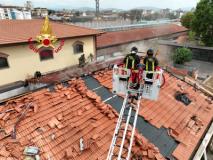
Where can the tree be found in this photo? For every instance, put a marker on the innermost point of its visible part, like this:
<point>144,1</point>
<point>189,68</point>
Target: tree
<point>186,19</point>
<point>202,23</point>
<point>182,55</point>
<point>192,35</point>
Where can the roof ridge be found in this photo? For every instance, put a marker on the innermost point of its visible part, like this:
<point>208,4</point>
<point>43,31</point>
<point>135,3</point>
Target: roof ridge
<point>151,27</point>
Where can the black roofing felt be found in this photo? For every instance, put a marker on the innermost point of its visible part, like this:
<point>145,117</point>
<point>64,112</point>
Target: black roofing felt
<point>159,137</point>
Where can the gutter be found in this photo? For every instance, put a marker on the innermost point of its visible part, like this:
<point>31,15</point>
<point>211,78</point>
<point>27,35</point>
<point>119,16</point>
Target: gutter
<point>202,148</point>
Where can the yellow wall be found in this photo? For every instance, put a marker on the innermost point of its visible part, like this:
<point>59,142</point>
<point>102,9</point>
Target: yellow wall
<point>23,61</point>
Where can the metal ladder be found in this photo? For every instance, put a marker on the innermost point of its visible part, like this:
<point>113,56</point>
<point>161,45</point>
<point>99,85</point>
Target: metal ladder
<point>127,117</point>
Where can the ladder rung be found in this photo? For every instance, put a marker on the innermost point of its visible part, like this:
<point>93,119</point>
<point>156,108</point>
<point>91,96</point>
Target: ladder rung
<point>119,137</point>
<point>124,120</point>
<point>126,117</point>
<point>115,155</point>
<point>120,146</point>
<point>122,129</point>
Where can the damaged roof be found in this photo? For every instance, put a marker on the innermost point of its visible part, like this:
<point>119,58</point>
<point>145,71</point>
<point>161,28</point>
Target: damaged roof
<point>121,37</point>
<point>56,121</point>
<point>186,124</point>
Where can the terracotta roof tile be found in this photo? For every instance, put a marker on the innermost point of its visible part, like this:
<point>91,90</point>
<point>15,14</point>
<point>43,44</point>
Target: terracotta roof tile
<point>4,152</point>
<point>121,37</point>
<point>17,31</point>
<point>56,124</point>
<point>186,124</point>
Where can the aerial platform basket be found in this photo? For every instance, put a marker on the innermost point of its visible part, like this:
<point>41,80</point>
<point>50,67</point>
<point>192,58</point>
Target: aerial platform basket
<point>151,86</point>
<point>150,82</point>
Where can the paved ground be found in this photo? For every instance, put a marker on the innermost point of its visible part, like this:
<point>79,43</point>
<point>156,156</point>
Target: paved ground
<point>210,82</point>
<point>204,68</point>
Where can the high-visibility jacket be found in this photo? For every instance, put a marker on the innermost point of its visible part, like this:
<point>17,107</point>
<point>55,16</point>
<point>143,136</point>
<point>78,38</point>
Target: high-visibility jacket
<point>150,63</point>
<point>131,61</point>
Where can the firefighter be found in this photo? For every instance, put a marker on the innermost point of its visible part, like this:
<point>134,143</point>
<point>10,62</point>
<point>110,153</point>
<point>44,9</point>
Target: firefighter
<point>131,62</point>
<point>82,61</point>
<point>150,64</point>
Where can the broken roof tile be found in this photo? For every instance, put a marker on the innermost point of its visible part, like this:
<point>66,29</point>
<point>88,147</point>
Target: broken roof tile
<point>4,152</point>
<point>96,124</point>
<point>169,113</point>
<point>60,116</point>
<point>151,154</point>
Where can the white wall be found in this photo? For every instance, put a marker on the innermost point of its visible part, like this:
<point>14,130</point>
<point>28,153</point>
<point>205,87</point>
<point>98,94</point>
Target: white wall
<point>2,15</point>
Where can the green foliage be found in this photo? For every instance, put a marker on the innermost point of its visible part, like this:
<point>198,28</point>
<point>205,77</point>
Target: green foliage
<point>182,55</point>
<point>192,35</point>
<point>202,23</point>
<point>186,19</point>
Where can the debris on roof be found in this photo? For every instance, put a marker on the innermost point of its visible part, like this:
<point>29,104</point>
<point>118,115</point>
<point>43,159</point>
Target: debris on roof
<point>182,97</point>
<point>186,124</point>
<point>64,117</point>
<point>73,72</point>
<point>104,77</point>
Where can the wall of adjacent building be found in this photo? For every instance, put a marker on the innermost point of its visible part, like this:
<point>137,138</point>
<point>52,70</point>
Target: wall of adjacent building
<point>23,62</point>
<point>143,46</point>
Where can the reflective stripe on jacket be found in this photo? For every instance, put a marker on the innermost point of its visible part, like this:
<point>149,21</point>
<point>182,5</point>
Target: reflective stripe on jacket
<point>150,64</point>
<point>133,62</point>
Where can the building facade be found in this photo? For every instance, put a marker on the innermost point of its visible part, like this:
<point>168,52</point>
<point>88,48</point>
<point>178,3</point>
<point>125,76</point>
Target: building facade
<point>40,12</point>
<point>19,62</point>
<point>2,15</point>
<point>13,12</point>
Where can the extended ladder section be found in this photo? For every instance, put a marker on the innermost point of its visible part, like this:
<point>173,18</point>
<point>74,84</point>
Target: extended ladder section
<point>148,87</point>
<point>123,137</point>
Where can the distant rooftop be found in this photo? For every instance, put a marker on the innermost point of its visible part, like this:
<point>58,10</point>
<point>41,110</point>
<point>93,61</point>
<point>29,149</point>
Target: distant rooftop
<point>19,31</point>
<point>121,37</point>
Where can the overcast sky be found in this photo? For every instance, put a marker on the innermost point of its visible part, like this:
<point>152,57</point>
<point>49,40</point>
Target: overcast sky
<point>120,4</point>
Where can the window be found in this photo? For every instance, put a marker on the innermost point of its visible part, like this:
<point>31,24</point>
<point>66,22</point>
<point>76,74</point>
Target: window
<point>46,54</point>
<point>3,63</point>
<point>78,47</point>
